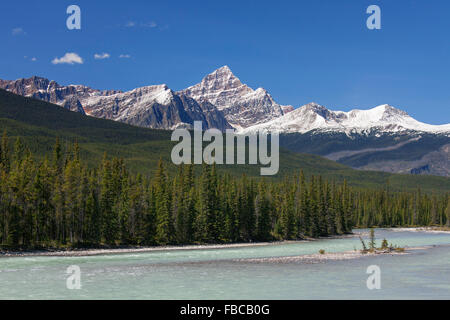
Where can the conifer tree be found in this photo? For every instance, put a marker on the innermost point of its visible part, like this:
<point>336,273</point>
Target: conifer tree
<point>162,206</point>
<point>262,208</point>
<point>66,202</point>
<point>447,212</point>
<point>110,221</point>
<point>4,153</point>
<point>314,229</point>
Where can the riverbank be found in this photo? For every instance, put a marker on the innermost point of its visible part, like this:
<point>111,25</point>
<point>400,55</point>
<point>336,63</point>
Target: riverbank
<point>124,250</point>
<point>75,252</point>
<point>105,251</point>
<point>424,229</point>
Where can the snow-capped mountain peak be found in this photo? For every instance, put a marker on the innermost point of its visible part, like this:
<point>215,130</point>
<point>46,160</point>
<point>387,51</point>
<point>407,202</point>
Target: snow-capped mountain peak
<point>133,101</point>
<point>154,106</point>
<point>241,105</point>
<point>220,100</point>
<point>313,116</point>
<point>221,88</point>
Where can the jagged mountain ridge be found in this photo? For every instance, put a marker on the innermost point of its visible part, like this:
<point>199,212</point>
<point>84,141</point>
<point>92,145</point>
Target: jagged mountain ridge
<point>221,101</point>
<point>314,117</point>
<point>156,107</point>
<point>40,123</point>
<point>383,138</point>
<point>68,97</point>
<point>241,105</point>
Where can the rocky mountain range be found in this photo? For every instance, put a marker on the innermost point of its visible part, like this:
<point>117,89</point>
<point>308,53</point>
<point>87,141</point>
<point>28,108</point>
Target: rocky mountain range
<point>155,107</point>
<point>313,116</point>
<point>220,101</point>
<point>69,97</point>
<point>241,105</point>
<point>383,138</point>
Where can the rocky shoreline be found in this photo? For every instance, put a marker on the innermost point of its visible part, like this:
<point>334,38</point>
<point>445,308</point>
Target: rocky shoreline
<point>336,256</point>
<point>134,249</point>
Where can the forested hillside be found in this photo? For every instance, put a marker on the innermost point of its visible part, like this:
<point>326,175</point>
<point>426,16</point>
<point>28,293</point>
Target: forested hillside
<point>39,124</point>
<point>60,202</point>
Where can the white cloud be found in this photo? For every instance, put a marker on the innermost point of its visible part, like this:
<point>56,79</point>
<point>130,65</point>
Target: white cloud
<point>151,24</point>
<point>101,56</point>
<point>69,58</point>
<point>33,59</point>
<point>124,56</point>
<point>18,31</point>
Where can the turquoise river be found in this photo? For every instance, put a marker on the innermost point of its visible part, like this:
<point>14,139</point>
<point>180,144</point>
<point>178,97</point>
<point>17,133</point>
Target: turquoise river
<point>230,273</point>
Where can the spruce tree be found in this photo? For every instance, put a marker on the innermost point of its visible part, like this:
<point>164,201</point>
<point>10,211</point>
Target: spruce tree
<point>162,206</point>
<point>447,212</point>
<point>4,153</point>
<point>65,202</point>
<point>262,208</point>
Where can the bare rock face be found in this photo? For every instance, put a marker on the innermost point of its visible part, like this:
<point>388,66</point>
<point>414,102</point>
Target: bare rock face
<point>68,97</point>
<point>242,106</point>
<point>287,109</point>
<point>221,88</point>
<point>435,163</point>
<point>220,101</point>
<point>155,107</point>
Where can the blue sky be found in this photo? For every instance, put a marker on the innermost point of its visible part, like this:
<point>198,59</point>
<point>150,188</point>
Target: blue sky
<point>300,51</point>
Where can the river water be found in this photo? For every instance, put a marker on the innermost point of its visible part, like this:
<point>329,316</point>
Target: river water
<point>216,274</point>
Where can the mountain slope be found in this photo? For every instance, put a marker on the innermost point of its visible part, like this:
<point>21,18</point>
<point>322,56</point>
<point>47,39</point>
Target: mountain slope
<point>151,107</point>
<point>241,105</point>
<point>391,152</point>
<point>69,97</point>
<point>155,107</point>
<point>40,123</point>
<point>313,116</point>
<point>220,101</point>
<point>383,138</point>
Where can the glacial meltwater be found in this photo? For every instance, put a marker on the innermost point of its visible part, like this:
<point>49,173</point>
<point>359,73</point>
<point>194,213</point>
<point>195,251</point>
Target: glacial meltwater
<point>229,273</point>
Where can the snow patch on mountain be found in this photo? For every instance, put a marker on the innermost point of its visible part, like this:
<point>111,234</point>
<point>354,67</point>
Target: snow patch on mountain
<point>241,105</point>
<point>313,116</point>
<point>220,100</point>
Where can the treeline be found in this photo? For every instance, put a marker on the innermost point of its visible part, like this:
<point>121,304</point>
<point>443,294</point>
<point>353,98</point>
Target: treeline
<point>385,209</point>
<point>59,201</point>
